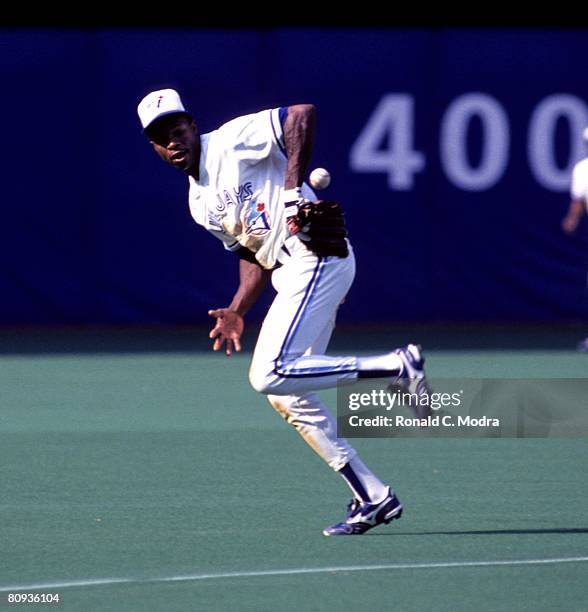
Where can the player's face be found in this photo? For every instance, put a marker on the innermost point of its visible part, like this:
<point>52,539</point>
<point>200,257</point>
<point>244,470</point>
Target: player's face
<point>175,139</point>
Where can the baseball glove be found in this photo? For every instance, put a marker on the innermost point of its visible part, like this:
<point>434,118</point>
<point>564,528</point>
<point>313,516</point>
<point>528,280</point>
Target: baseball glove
<point>321,226</point>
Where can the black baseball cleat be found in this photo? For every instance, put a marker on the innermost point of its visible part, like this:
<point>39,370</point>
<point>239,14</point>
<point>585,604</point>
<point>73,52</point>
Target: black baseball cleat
<point>362,516</point>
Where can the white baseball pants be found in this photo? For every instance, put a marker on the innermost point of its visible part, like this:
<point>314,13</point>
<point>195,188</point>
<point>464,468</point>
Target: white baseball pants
<point>289,363</point>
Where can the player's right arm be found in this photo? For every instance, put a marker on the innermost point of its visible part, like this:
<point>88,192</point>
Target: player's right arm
<point>253,279</point>
<point>572,219</point>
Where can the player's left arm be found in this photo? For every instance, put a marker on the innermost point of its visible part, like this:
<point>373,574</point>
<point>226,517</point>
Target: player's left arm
<point>230,324</point>
<point>299,131</point>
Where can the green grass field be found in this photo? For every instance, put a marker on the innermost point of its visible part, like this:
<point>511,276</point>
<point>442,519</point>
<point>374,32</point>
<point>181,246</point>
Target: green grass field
<point>156,479</point>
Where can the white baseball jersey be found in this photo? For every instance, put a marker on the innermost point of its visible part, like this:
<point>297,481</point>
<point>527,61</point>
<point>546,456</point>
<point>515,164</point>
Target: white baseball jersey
<point>579,189</point>
<point>238,196</point>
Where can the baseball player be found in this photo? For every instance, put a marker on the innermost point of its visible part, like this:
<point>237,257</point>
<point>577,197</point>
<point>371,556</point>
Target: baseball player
<point>246,188</point>
<point>578,205</point>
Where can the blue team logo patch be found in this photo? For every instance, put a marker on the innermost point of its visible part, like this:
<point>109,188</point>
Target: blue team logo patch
<point>257,221</point>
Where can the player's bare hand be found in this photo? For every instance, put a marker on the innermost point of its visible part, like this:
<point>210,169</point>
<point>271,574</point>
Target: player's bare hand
<point>228,329</point>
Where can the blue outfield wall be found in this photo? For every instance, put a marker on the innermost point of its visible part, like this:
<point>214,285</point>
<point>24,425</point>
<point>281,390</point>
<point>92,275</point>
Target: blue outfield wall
<point>451,151</point>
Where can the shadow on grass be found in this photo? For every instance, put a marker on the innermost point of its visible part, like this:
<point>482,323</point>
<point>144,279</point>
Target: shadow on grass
<point>562,530</point>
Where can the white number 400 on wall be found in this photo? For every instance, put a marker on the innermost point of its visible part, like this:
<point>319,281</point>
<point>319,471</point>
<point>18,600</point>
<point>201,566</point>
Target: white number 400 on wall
<point>392,123</point>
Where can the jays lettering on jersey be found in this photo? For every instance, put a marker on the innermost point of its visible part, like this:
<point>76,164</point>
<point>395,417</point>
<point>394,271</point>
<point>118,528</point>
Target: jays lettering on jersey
<point>238,196</point>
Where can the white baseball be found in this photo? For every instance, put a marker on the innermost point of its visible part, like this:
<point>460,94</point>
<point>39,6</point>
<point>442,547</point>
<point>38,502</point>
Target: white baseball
<point>320,178</point>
